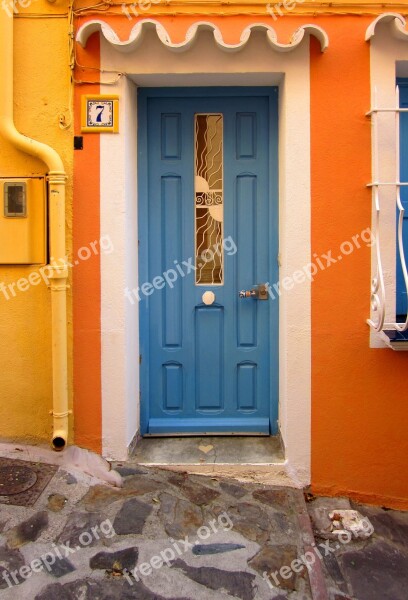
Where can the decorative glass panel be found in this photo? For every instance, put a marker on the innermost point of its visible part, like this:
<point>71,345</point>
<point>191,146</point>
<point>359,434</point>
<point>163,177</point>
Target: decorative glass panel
<point>209,209</point>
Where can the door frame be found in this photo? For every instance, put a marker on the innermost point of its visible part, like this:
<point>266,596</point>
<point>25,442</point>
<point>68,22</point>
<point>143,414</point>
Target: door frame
<point>144,93</point>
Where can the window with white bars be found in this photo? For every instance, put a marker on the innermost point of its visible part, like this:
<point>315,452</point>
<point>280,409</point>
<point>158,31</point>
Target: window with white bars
<point>389,310</point>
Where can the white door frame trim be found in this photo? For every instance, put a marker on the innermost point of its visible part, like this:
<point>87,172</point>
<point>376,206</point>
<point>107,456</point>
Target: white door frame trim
<point>205,64</point>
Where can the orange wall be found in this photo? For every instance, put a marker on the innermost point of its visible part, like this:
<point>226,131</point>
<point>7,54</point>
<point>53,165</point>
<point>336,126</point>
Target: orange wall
<point>86,275</point>
<point>359,407</point>
<point>359,400</point>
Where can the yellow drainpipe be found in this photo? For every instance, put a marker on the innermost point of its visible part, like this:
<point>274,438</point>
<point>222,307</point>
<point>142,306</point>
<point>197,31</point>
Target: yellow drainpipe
<point>58,272</point>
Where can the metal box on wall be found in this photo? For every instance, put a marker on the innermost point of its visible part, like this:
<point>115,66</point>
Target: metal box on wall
<point>23,221</point>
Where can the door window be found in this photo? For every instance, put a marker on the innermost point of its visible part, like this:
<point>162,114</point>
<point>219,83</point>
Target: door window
<point>209,206</point>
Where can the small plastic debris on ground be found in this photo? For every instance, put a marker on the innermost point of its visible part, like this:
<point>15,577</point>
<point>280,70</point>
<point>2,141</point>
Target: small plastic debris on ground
<point>351,521</point>
<point>91,463</point>
<point>309,497</point>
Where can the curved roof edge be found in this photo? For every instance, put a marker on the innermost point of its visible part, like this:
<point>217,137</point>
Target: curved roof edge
<point>397,25</point>
<point>136,35</point>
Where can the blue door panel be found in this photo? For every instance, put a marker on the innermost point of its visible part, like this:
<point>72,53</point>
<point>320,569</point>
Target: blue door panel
<point>204,426</point>
<point>172,395</point>
<point>247,387</point>
<point>209,369</point>
<point>171,228</point>
<point>245,210</point>
<point>209,362</point>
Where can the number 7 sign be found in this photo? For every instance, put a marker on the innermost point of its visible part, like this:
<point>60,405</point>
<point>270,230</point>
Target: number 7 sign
<point>100,114</point>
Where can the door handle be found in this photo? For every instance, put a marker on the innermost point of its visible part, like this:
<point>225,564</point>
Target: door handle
<point>258,292</point>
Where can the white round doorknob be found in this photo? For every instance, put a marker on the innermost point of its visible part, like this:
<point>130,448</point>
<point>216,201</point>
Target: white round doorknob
<point>208,298</point>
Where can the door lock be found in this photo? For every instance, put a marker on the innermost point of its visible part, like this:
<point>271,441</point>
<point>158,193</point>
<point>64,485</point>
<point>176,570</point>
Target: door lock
<point>258,292</point>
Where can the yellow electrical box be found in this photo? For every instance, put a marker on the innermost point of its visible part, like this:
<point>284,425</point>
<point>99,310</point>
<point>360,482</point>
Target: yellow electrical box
<point>23,221</point>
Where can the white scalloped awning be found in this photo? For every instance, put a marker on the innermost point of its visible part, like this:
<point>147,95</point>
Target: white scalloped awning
<point>137,32</point>
<point>397,26</point>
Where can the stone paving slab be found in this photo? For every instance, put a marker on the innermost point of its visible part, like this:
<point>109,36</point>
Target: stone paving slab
<point>169,535</point>
<point>371,569</point>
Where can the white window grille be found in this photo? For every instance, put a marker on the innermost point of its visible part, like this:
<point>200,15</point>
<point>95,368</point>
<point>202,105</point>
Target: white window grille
<point>383,317</point>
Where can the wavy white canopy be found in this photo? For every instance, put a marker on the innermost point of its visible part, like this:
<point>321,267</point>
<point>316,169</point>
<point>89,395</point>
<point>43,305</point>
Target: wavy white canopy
<point>397,26</point>
<point>137,32</point>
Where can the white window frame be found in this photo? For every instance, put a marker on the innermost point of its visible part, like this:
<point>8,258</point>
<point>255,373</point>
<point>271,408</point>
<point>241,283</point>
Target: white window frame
<point>389,58</point>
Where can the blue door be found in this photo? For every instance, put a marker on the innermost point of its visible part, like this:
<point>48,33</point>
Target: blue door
<point>208,214</point>
<point>402,307</point>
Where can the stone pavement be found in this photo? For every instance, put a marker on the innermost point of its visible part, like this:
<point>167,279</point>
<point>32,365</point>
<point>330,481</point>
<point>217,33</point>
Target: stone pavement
<point>372,569</point>
<point>169,535</point>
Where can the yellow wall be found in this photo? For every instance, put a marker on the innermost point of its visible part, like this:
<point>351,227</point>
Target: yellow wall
<point>41,93</point>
